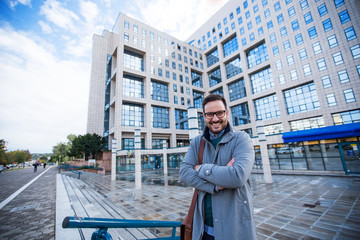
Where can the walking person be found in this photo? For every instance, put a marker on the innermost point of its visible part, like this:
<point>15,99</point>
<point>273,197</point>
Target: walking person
<point>35,166</point>
<point>224,209</point>
<point>44,165</point>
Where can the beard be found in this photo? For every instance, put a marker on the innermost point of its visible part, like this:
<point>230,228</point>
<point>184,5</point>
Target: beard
<point>217,126</point>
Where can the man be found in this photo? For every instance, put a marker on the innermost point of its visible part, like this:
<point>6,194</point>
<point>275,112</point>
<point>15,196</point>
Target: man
<point>224,208</point>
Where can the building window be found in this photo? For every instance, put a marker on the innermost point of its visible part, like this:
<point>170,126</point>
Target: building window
<point>218,91</point>
<point>355,51</point>
<point>212,58</point>
<point>282,79</point>
<point>181,119</point>
<point>283,32</point>
<point>327,25</point>
<point>273,129</point>
<point>303,54</point>
<point>338,59</point>
<point>278,64</point>
<point>233,68</point>
<point>267,13</point>
<point>240,114</point>
<point>261,81</point>
<point>277,6</point>
<point>132,115</point>
<point>299,39</point>
<point>237,90</point>
<point>272,38</point>
<point>344,16</point>
<point>230,46</point>
<point>291,12</point>
<point>133,60</point>
<point>257,55</point>
<point>322,10</point>
<point>321,64</point>
<point>126,37</point>
<point>343,76</point>
<point>267,108</point>
<point>290,60</point>
<point>307,69</point>
<point>295,25</point>
<point>349,95</point>
<point>160,117</point>
<point>332,41</point>
<point>346,117</point>
<point>270,25</point>
<point>280,19</point>
<point>215,77</point>
<point>196,79</point>
<point>133,86</point>
<point>308,18</point>
<point>331,99</point>
<point>338,3</point>
<point>198,99</point>
<point>326,81</point>
<point>126,25</point>
<point>287,45</point>
<point>304,4</point>
<point>260,31</point>
<point>159,91</point>
<point>301,99</point>
<point>312,32</point>
<point>308,123</point>
<point>293,74</point>
<point>350,33</point>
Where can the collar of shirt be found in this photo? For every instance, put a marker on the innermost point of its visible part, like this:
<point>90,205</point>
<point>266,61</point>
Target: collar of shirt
<point>214,136</point>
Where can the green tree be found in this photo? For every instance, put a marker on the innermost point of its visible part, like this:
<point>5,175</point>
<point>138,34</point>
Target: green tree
<point>18,156</point>
<point>60,152</point>
<point>2,153</point>
<point>87,145</point>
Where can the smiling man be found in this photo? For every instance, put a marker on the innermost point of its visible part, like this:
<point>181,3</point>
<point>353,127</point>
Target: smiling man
<point>224,204</point>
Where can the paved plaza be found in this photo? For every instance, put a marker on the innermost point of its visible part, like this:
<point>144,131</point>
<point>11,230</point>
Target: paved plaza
<point>292,207</point>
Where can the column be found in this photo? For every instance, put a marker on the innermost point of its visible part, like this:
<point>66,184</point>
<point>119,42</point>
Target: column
<point>137,153</point>
<point>113,159</point>
<point>165,162</point>
<point>193,122</point>
<point>264,152</point>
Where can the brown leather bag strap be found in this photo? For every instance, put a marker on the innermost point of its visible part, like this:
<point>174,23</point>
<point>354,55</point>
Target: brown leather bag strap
<point>190,216</point>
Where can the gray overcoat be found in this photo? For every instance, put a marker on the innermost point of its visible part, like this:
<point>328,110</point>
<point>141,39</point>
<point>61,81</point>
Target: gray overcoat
<point>232,207</point>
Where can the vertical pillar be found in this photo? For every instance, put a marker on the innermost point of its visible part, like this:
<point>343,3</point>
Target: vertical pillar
<point>193,122</point>
<point>165,162</point>
<point>264,152</point>
<point>137,153</point>
<point>113,159</point>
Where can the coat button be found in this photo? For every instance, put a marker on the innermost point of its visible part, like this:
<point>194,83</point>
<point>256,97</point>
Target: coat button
<point>207,172</point>
<point>245,202</point>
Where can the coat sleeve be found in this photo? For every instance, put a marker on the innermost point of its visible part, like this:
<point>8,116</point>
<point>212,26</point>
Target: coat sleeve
<point>187,173</point>
<point>236,176</point>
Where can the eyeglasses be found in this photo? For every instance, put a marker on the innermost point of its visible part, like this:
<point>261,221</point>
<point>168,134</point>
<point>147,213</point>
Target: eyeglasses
<point>219,114</point>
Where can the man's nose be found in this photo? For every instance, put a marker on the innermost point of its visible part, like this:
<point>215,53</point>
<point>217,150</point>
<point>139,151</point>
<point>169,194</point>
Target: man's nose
<point>215,118</point>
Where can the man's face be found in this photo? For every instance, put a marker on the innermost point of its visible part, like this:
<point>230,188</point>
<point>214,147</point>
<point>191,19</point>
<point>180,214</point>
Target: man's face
<point>215,124</point>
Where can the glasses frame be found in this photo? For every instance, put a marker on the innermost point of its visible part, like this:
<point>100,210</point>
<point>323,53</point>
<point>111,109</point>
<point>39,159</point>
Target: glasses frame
<point>219,114</point>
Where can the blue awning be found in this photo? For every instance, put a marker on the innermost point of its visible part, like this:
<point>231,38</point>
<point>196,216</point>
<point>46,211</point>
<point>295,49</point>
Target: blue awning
<point>337,131</point>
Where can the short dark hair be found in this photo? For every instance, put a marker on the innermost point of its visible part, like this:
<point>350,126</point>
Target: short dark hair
<point>213,97</point>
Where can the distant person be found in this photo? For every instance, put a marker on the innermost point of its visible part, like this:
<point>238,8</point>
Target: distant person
<point>44,165</point>
<point>35,166</point>
<point>224,207</point>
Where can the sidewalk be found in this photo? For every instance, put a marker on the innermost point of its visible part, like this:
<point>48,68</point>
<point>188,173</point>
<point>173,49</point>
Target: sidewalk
<point>292,207</point>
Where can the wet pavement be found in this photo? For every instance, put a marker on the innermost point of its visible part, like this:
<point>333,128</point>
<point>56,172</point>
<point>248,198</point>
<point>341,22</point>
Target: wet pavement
<point>292,207</point>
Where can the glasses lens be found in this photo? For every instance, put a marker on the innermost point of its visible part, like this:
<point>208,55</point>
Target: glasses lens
<point>209,115</point>
<point>220,114</point>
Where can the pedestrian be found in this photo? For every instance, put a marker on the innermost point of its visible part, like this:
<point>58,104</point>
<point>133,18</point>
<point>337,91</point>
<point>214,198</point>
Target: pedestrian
<point>44,165</point>
<point>224,207</point>
<point>35,166</point>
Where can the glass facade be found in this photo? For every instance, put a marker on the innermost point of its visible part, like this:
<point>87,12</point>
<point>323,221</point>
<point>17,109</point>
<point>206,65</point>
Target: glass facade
<point>198,99</point>
<point>346,117</point>
<point>233,67</point>
<point>301,99</point>
<point>160,117</point>
<point>133,86</point>
<point>230,46</point>
<point>133,60</point>
<point>214,77</point>
<point>308,123</point>
<point>212,58</point>
<point>196,79</point>
<point>237,90</point>
<point>181,119</point>
<point>132,115</point>
<point>257,55</point>
<point>261,81</point>
<point>159,91</point>
<point>240,114</point>
<point>267,108</point>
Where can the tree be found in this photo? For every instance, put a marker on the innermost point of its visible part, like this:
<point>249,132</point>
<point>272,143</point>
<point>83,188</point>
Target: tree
<point>18,156</point>
<point>86,145</point>
<point>60,152</point>
<point>2,153</point>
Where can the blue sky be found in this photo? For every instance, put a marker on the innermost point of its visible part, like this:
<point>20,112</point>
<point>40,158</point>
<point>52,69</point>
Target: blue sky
<point>45,59</point>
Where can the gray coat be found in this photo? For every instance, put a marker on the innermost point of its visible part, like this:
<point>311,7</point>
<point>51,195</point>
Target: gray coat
<point>232,207</point>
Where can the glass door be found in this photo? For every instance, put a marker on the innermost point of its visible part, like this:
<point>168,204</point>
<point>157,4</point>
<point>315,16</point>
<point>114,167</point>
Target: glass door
<point>350,157</point>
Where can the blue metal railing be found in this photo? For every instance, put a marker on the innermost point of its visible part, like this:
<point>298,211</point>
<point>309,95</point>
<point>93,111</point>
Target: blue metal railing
<point>102,225</point>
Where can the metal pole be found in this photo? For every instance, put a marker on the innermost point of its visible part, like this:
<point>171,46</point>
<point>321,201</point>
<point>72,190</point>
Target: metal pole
<point>113,159</point>
<point>264,152</point>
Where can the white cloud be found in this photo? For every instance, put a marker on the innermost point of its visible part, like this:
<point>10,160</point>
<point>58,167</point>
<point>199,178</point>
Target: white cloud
<point>45,27</point>
<point>13,4</point>
<point>43,99</point>
<point>57,14</point>
<point>89,10</point>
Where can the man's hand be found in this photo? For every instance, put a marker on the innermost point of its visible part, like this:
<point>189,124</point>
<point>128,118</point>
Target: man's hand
<point>230,164</point>
<point>197,167</point>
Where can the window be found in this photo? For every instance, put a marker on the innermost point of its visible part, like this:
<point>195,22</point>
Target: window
<point>258,20</point>
<point>316,47</point>
<point>272,38</point>
<point>276,50</point>
<point>346,117</point>
<point>295,25</point>
<point>350,33</point>
<point>160,117</point>
<point>332,41</point>
<point>349,95</point>
<point>257,55</point>
<point>240,114</point>
<point>343,76</point>
<point>308,18</point>
<point>312,32</point>
<point>326,81</point>
<point>338,3</point>
<point>198,99</point>
<point>273,129</point>
<point>280,19</point>
<point>291,12</point>
<point>355,51</point>
<point>301,99</point>
<point>287,45</point>
<point>282,79</point>
<point>327,25</point>
<point>277,6</point>
<point>233,67</point>
<point>344,16</point>
<point>293,74</point>
<point>283,32</point>
<point>214,77</point>
<point>261,81</point>
<point>270,25</point>
<point>212,58</point>
<point>133,86</point>
<point>304,4</point>
<point>267,13</point>
<point>240,21</point>
<point>303,54</point>
<point>331,99</point>
<point>299,39</point>
<point>237,90</point>
<point>249,25</point>
<point>322,10</point>
<point>135,28</point>
<point>230,46</point>
<point>321,64</point>
<point>132,115</point>
<point>278,65</point>
<point>133,60</point>
<point>126,25</point>
<point>126,37</point>
<point>181,119</point>
<point>290,60</point>
<point>267,108</point>
<point>307,69</point>
<point>308,123</point>
<point>338,59</point>
<point>247,14</point>
<point>260,31</point>
<point>243,41</point>
<point>159,91</point>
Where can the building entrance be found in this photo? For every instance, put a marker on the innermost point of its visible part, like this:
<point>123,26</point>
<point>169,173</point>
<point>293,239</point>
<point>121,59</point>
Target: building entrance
<point>349,152</point>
